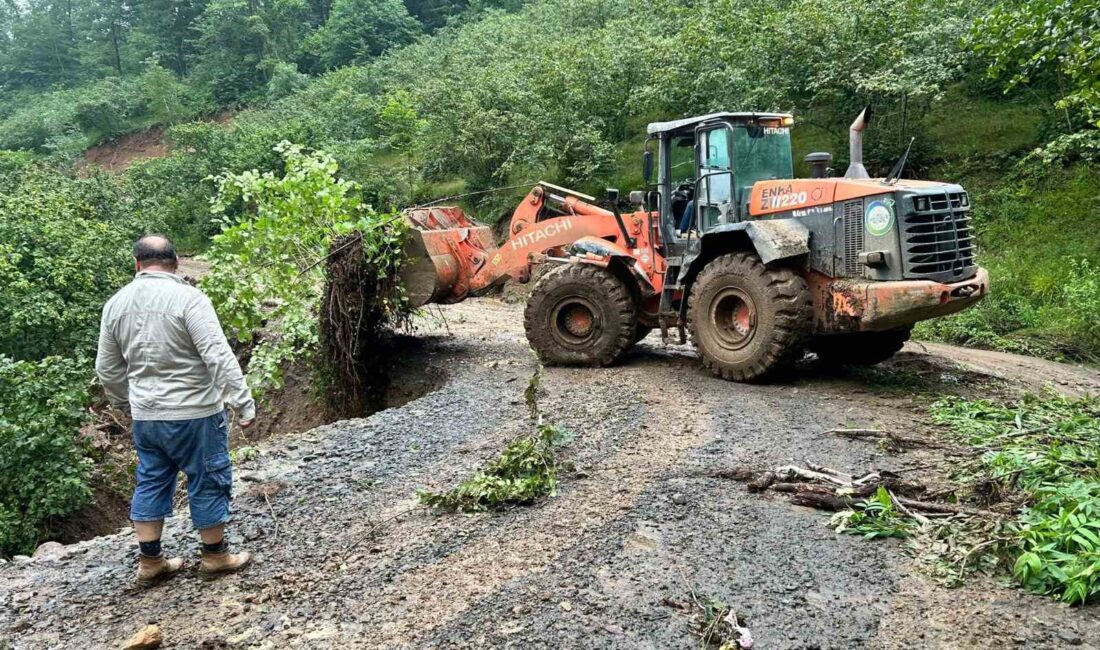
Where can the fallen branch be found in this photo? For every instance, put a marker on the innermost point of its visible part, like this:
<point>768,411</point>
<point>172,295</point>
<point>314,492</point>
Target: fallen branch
<point>370,531</point>
<point>762,482</point>
<point>920,519</point>
<point>824,488</point>
<point>274,519</point>
<point>947,508</point>
<point>893,440</point>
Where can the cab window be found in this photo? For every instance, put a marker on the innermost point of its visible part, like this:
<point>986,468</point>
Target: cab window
<point>762,153</point>
<point>714,159</point>
<point>682,159</point>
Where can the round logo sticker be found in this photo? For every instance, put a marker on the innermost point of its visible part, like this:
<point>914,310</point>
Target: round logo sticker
<point>880,216</point>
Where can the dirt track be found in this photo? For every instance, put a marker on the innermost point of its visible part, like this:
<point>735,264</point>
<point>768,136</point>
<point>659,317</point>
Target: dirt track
<point>606,563</point>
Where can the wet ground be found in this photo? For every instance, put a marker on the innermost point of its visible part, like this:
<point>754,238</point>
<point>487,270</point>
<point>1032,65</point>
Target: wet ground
<point>345,557</point>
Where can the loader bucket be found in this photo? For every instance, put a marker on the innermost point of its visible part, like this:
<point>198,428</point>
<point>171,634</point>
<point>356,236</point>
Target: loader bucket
<point>443,253</point>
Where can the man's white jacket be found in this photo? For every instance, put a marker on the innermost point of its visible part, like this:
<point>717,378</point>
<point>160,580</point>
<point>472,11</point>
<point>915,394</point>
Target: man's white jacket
<point>163,356</point>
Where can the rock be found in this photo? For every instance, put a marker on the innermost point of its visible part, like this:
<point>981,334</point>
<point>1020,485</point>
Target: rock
<point>20,625</point>
<point>146,638</point>
<point>1070,637</point>
<point>21,596</point>
<point>566,606</point>
<point>49,551</point>
<point>679,499</point>
<point>21,558</point>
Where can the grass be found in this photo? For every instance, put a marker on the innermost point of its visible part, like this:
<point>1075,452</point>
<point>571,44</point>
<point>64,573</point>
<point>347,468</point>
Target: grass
<point>1036,240</point>
<point>965,126</point>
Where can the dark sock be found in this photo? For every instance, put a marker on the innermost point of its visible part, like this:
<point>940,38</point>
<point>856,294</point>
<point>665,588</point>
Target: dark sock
<point>216,547</point>
<point>150,549</point>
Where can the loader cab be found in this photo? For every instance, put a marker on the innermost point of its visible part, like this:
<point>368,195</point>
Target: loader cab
<point>707,165</point>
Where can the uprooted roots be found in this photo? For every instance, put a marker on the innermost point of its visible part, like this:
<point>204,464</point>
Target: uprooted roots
<point>352,321</point>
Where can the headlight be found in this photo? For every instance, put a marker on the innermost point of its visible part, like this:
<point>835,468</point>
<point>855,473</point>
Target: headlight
<point>920,203</point>
<point>964,200</point>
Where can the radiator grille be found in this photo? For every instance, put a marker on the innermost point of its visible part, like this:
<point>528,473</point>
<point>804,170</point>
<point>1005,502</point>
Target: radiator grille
<point>938,243</point>
<point>853,237</point>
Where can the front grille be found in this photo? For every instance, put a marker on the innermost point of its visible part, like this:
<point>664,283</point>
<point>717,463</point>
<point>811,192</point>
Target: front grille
<point>937,241</point>
<point>853,237</point>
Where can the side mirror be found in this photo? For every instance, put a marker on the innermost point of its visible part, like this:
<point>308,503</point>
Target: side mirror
<point>647,166</point>
<point>612,196</point>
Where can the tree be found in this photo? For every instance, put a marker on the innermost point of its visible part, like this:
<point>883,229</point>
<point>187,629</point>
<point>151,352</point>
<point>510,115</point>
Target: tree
<point>1047,41</point>
<point>360,29</point>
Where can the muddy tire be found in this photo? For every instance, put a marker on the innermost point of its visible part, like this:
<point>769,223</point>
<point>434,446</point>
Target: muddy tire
<point>748,321</point>
<point>580,315</point>
<point>859,349</point>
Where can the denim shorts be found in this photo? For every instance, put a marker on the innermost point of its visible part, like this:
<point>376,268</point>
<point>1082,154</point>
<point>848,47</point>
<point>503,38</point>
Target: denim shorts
<point>200,449</point>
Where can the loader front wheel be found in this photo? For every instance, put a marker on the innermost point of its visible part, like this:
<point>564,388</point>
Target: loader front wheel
<point>747,320</point>
<point>580,315</point>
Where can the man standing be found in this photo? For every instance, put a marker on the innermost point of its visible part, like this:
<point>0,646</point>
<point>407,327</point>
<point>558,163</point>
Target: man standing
<point>164,359</point>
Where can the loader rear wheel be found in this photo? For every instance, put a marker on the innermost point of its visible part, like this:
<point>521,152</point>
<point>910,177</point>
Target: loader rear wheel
<point>747,320</point>
<point>859,348</point>
<point>580,315</point>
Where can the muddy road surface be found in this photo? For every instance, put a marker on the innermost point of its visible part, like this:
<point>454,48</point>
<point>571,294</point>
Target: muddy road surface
<point>346,558</point>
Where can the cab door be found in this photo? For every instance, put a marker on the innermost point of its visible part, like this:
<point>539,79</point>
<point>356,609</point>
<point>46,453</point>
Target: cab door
<point>714,204</point>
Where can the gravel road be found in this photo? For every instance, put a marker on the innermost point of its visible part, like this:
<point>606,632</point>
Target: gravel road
<point>345,558</point>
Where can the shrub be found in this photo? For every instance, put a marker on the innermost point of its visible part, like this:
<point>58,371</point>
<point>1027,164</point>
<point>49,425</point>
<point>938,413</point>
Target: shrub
<point>42,466</point>
<point>59,261</point>
<point>285,81</point>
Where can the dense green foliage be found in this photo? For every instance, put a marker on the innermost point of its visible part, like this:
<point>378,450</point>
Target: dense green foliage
<point>1049,449</point>
<point>42,467</point>
<point>526,470</point>
<point>61,256</point>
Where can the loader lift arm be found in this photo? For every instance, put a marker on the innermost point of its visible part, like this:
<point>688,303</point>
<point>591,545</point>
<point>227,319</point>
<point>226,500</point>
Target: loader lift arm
<point>451,258</point>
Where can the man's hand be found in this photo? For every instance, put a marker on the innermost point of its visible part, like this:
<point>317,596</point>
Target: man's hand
<point>244,424</point>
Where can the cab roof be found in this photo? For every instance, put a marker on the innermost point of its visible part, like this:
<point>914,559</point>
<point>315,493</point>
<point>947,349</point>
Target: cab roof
<point>674,125</point>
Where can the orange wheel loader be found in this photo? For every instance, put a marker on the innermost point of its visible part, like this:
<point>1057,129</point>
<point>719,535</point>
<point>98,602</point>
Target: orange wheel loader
<point>758,266</point>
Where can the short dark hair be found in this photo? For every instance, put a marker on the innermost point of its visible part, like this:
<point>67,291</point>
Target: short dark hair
<point>156,249</point>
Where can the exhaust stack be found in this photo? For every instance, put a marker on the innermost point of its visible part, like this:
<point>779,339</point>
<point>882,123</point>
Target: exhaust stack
<point>855,145</point>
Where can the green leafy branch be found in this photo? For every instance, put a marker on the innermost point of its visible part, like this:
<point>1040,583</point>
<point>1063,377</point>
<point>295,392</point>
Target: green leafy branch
<point>527,469</point>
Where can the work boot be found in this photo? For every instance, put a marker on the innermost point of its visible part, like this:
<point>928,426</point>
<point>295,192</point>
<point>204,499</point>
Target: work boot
<point>223,562</point>
<point>153,569</point>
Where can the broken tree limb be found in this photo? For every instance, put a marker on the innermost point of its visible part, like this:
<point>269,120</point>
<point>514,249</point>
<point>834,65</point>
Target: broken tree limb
<point>920,519</point>
<point>796,488</point>
<point>847,478</point>
<point>821,501</point>
<point>947,508</point>
<point>893,440</point>
<point>823,488</point>
<point>762,482</point>
<point>793,471</point>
